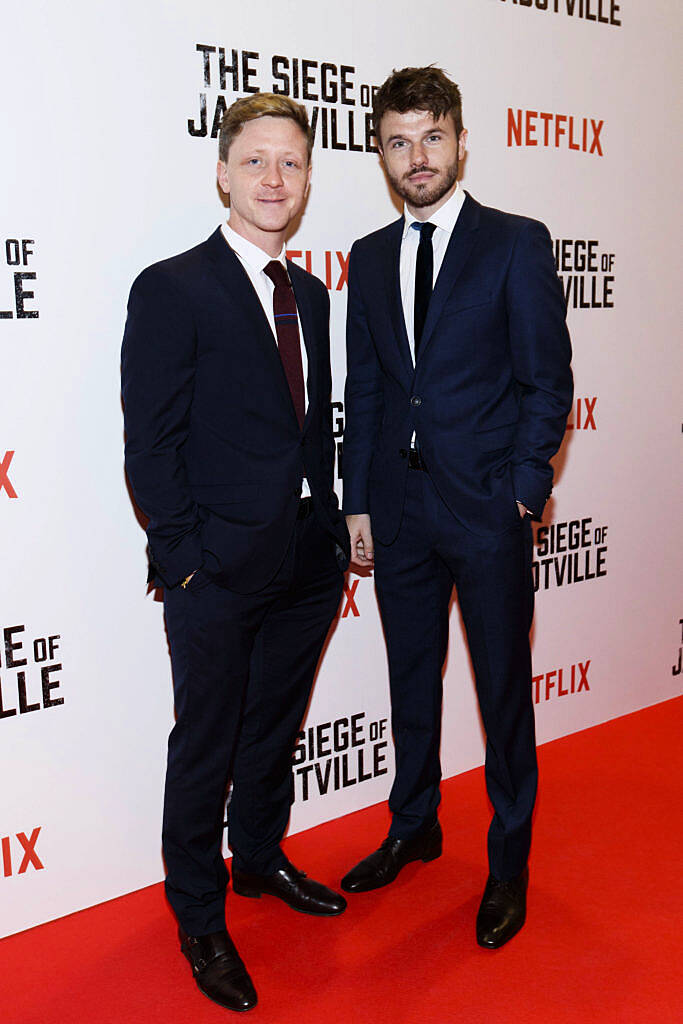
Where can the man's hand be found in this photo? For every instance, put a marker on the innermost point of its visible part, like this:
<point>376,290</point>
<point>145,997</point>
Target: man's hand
<point>361,539</point>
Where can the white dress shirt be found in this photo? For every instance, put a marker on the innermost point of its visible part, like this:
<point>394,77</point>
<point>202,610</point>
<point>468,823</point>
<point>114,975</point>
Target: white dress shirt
<point>255,260</point>
<point>445,219</point>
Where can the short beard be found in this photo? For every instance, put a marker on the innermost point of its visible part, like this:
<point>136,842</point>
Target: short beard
<point>425,194</point>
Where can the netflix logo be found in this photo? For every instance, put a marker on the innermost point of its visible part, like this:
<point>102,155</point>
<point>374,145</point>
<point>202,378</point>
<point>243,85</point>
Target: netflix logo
<point>582,416</point>
<point>20,297</point>
<point>19,853</point>
<point>331,266</point>
<point>336,755</point>
<point>5,482</point>
<point>558,131</point>
<point>561,682</point>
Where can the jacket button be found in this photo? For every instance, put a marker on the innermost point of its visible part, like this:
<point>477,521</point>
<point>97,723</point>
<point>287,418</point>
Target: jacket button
<point>416,400</point>
<point>403,453</point>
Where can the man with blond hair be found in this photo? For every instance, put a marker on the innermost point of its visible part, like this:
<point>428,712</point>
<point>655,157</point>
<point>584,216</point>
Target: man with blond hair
<point>229,450</point>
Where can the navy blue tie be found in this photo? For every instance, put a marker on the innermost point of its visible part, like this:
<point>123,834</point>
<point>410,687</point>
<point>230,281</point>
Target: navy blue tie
<point>424,278</point>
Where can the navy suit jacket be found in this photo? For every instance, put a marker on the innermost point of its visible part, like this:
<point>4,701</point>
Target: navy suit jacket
<point>214,453</point>
<point>492,387</point>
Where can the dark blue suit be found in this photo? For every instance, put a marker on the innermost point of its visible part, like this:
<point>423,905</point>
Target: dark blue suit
<point>488,400</point>
<point>216,459</point>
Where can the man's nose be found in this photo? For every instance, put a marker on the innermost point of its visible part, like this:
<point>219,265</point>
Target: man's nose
<point>273,176</point>
<point>419,156</point>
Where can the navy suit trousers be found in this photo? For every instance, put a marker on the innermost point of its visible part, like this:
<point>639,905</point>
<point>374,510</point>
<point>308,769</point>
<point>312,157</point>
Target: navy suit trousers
<point>414,578</point>
<point>243,668</point>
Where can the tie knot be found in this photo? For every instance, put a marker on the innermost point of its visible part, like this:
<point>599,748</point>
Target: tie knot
<point>277,274</point>
<point>426,230</point>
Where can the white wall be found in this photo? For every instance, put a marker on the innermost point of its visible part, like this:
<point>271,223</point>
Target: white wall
<point>100,173</point>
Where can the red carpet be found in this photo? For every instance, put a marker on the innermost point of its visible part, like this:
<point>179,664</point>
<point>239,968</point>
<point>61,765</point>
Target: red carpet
<point>602,941</point>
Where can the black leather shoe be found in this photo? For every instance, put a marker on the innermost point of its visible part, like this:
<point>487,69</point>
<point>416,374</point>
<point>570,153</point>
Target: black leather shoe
<point>218,969</point>
<point>293,887</point>
<point>382,866</point>
<point>503,910</point>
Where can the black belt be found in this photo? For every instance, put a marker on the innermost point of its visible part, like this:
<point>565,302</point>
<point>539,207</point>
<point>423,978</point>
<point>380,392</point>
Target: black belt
<point>305,508</point>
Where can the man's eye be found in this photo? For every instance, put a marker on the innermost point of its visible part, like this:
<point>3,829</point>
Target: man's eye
<point>434,138</point>
<point>398,144</point>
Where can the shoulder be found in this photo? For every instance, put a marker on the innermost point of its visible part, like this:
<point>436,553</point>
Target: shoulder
<point>513,225</point>
<point>369,244</point>
<point>174,274</point>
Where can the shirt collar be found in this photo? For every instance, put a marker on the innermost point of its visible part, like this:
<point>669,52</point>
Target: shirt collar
<point>444,218</point>
<point>251,254</point>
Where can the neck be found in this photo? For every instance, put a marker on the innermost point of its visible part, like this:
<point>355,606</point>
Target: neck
<point>270,241</point>
<point>423,213</point>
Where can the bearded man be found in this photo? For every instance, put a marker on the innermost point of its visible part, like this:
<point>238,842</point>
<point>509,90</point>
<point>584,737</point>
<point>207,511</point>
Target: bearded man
<point>458,390</point>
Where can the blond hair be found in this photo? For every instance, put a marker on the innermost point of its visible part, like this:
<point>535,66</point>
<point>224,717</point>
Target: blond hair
<point>261,104</point>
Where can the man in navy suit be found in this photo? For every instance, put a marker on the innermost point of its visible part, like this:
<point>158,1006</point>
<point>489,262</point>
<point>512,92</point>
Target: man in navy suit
<point>229,451</point>
<point>458,390</point>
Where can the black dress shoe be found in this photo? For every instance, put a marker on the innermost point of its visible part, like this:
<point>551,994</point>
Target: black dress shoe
<point>382,866</point>
<point>293,887</point>
<point>218,969</point>
<point>503,910</point>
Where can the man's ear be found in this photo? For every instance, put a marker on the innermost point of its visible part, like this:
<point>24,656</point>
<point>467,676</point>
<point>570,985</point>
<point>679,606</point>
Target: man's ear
<point>222,175</point>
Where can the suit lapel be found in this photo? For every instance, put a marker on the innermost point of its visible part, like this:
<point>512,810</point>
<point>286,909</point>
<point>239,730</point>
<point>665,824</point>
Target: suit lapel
<point>234,279</point>
<point>459,248</point>
<point>392,273</point>
<point>303,305</point>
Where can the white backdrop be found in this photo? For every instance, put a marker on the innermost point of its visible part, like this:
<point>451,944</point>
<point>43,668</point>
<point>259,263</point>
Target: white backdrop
<point>101,176</point>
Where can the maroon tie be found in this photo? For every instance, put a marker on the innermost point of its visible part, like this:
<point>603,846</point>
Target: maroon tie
<point>287,330</point>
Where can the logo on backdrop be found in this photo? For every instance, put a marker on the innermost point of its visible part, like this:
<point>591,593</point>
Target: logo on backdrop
<point>339,106</point>
<point>336,755</point>
<point>561,682</point>
<point>586,273</point>
<point>19,853</point>
<point>5,482</point>
<point>18,298</point>
<point>330,266</point>
<point>558,131</point>
<point>677,667</point>
<point>568,553</point>
<point>604,12</point>
<point>338,434</point>
<point>582,416</point>
<point>29,673</point>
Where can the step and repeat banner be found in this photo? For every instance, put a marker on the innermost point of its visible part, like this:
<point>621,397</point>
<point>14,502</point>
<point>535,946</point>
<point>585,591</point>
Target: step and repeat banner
<point>109,121</point>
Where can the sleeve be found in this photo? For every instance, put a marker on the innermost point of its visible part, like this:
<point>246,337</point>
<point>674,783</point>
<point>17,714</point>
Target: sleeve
<point>157,380</point>
<point>363,397</point>
<point>541,357</point>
